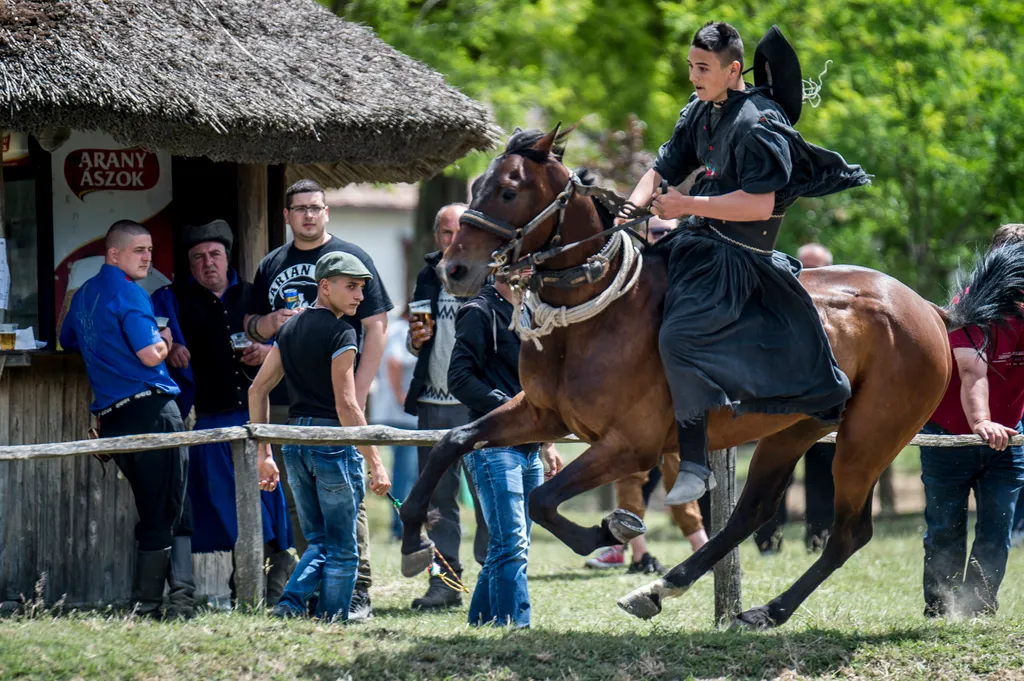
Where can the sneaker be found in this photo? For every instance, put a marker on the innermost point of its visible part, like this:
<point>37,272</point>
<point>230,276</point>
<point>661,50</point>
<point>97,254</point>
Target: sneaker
<point>647,565</point>
<point>360,609</point>
<point>612,557</point>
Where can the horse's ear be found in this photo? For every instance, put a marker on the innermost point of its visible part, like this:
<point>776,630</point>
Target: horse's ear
<point>546,144</point>
<point>554,142</point>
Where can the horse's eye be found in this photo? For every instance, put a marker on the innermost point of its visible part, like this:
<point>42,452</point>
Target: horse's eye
<point>508,195</point>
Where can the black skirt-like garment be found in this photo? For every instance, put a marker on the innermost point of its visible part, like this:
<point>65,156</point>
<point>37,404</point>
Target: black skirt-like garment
<point>739,331</point>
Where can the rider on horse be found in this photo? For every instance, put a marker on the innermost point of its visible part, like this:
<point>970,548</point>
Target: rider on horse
<point>739,330</point>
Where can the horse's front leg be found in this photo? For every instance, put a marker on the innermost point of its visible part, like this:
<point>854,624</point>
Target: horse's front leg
<point>514,423</point>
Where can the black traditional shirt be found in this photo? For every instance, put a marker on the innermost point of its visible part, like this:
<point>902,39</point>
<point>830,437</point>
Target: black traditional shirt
<point>752,148</point>
<point>207,323</point>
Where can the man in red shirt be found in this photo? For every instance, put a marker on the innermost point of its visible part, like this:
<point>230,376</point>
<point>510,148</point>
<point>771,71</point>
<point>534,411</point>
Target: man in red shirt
<point>985,397</point>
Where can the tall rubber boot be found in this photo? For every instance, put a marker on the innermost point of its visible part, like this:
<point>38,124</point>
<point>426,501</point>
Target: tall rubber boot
<point>181,597</point>
<point>148,582</point>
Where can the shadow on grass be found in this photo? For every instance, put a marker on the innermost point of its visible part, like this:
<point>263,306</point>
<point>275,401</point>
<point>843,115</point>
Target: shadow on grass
<point>543,654</point>
<point>580,575</point>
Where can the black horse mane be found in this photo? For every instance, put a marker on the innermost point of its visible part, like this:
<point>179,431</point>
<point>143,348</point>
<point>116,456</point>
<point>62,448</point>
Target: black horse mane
<point>521,142</point>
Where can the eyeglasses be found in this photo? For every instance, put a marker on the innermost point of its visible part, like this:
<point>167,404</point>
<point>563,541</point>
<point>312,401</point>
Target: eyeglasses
<point>312,210</point>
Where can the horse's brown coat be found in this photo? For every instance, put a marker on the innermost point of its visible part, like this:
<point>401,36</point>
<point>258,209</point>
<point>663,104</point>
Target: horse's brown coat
<point>602,380</point>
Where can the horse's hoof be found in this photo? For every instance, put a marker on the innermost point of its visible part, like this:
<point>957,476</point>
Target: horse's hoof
<point>644,602</point>
<point>417,562</point>
<point>755,619</point>
<point>625,525</point>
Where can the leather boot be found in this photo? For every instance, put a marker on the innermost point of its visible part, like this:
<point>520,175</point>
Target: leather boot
<point>282,563</point>
<point>181,600</point>
<point>148,582</point>
<point>439,595</point>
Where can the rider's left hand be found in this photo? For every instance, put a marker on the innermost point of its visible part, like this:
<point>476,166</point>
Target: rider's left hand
<point>670,205</point>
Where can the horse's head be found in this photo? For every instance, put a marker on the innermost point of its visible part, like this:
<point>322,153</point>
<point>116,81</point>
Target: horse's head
<point>501,222</point>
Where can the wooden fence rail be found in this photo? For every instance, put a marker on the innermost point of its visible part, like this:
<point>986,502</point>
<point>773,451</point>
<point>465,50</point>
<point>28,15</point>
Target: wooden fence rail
<point>244,439</point>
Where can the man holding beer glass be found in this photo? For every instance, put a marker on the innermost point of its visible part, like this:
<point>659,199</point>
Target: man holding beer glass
<point>285,285</point>
<point>214,363</point>
<point>431,338</point>
<point>111,322</point>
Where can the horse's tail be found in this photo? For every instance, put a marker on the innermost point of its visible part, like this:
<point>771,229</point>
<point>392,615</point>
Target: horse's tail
<point>991,294</point>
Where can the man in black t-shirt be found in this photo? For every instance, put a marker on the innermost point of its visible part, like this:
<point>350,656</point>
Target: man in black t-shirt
<point>315,353</point>
<point>292,267</point>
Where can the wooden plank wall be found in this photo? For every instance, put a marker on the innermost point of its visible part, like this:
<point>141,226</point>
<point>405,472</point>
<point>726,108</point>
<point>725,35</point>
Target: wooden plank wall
<point>72,519</point>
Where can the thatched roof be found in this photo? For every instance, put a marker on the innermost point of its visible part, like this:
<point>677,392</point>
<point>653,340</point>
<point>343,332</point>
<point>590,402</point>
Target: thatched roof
<point>250,81</point>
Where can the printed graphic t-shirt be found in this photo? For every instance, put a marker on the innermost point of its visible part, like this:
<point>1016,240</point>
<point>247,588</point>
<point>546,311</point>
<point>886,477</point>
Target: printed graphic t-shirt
<point>289,267</point>
<point>308,343</point>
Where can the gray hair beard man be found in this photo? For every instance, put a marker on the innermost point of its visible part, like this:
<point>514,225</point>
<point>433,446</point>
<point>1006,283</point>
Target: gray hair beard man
<point>428,399</point>
<point>205,310</point>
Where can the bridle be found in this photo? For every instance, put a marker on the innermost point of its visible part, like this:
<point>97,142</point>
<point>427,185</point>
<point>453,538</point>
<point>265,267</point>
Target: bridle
<point>506,260</point>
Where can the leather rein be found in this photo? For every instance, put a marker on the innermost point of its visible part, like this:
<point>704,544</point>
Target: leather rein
<point>506,262</point>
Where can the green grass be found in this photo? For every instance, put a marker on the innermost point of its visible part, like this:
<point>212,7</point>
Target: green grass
<point>865,622</point>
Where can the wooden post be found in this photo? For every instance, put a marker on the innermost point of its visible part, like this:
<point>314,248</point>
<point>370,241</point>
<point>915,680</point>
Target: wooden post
<point>249,546</point>
<point>728,596</point>
<point>253,240</point>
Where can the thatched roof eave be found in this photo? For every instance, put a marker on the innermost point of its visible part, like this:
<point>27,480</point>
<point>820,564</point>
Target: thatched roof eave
<point>209,78</point>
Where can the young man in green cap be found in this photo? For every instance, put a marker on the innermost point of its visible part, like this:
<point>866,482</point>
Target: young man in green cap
<point>315,353</point>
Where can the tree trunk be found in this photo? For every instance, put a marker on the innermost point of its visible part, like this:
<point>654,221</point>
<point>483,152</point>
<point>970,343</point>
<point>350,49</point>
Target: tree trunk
<point>887,493</point>
<point>435,193</point>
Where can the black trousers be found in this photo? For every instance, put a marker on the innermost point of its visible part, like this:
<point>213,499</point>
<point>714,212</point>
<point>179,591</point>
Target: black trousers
<point>157,477</point>
<point>820,492</point>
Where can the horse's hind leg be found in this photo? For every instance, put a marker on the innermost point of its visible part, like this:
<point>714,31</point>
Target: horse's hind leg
<point>514,423</point>
<point>770,470</point>
<point>865,446</point>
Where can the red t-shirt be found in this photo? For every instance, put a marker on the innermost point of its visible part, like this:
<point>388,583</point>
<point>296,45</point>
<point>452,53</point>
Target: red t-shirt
<point>1005,355</point>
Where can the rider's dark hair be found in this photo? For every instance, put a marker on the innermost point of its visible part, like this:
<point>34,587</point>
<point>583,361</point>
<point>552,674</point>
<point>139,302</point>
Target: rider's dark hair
<point>722,39</point>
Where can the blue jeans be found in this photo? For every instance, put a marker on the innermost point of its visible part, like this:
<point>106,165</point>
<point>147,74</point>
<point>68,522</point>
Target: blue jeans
<point>328,486</point>
<point>949,474</point>
<point>504,479</point>
<point>404,471</point>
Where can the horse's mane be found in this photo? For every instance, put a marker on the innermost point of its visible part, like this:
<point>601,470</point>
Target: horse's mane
<point>521,142</point>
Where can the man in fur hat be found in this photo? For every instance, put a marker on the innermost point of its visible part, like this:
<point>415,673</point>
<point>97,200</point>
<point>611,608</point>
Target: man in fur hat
<point>214,370</point>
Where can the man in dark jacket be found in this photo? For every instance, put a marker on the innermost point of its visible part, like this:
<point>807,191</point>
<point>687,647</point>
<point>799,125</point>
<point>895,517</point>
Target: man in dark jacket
<point>428,399</point>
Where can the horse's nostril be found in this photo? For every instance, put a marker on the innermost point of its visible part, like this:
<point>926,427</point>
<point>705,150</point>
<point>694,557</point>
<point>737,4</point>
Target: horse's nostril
<point>457,272</point>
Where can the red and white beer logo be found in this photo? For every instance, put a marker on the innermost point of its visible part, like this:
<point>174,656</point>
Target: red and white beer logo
<point>94,170</point>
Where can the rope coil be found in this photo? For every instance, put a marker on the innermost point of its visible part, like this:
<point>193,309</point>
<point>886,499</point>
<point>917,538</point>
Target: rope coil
<point>533,319</point>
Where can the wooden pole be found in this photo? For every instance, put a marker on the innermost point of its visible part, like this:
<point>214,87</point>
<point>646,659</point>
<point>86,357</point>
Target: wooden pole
<point>728,594</point>
<point>253,240</point>
<point>249,546</point>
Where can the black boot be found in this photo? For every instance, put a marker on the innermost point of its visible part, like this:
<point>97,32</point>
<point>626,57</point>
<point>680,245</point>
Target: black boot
<point>282,563</point>
<point>181,601</point>
<point>439,595</point>
<point>694,477</point>
<point>148,582</point>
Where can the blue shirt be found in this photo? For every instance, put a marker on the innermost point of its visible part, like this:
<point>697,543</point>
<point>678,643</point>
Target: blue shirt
<point>110,319</point>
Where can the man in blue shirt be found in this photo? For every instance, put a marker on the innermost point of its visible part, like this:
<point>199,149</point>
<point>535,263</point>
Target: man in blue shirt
<point>111,323</point>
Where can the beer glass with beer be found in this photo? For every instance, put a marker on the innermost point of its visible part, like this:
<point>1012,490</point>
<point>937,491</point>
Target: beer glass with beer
<point>419,311</point>
<point>8,333</point>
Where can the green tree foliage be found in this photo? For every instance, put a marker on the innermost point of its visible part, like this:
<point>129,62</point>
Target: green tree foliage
<point>924,95</point>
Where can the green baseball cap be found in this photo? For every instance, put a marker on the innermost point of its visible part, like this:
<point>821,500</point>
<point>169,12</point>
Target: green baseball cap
<point>341,264</point>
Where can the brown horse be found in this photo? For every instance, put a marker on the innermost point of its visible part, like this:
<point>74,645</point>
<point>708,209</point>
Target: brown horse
<point>602,380</point>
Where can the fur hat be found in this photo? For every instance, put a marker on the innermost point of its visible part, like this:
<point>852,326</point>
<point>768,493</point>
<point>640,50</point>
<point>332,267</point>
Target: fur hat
<point>777,67</point>
<point>218,231</point>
